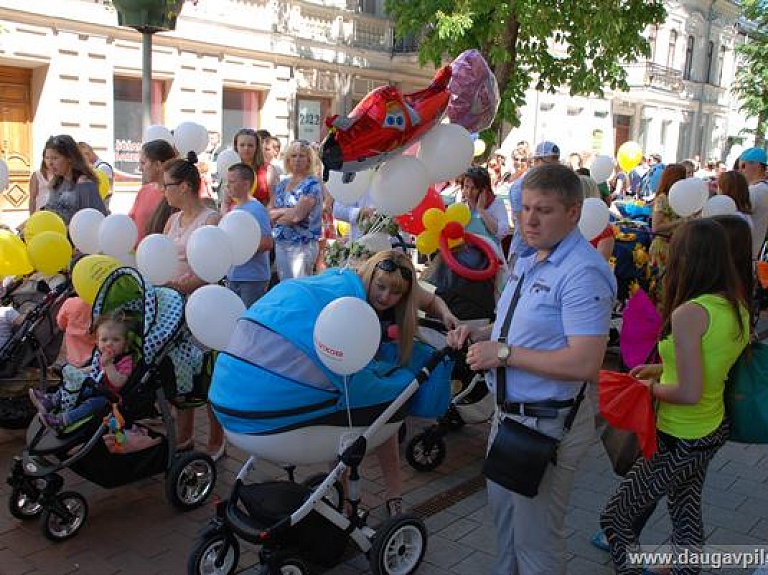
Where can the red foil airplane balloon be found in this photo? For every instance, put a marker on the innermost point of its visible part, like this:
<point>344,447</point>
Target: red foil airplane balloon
<point>383,125</point>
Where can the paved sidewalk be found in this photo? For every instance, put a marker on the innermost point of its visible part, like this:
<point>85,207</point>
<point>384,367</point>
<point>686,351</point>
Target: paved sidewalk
<point>133,531</point>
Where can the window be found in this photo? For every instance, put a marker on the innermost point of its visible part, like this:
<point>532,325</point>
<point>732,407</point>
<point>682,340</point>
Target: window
<point>721,65</point>
<point>652,35</point>
<point>689,57</point>
<point>239,109</point>
<point>368,6</point>
<point>129,113</point>
<point>672,48</point>
<point>710,53</point>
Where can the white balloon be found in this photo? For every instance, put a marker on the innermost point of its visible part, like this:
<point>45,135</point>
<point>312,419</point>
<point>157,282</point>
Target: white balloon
<point>447,151</point>
<point>226,160</point>
<point>601,169</point>
<point>343,350</point>
<point>594,217</point>
<point>244,234</point>
<point>399,185</point>
<point>349,192</point>
<point>84,230</point>
<point>190,136</point>
<point>687,196</point>
<point>158,132</point>
<point>157,259</point>
<point>4,175</point>
<point>209,253</point>
<point>117,235</point>
<point>719,205</point>
<point>211,313</point>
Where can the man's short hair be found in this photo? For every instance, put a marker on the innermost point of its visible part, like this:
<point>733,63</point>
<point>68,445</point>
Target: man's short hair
<point>244,170</point>
<point>555,179</point>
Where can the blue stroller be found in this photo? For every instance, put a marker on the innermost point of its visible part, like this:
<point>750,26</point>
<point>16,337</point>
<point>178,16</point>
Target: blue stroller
<point>167,366</point>
<point>277,401</point>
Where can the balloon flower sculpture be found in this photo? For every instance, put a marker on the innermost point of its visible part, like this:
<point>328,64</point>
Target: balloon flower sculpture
<point>444,229</point>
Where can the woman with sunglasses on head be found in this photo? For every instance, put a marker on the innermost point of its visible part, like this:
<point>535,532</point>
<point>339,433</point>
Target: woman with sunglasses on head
<point>394,293</point>
<point>73,184</point>
<point>297,213</point>
<point>180,183</point>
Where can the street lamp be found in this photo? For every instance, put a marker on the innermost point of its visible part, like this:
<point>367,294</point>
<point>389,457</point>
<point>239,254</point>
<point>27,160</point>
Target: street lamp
<point>147,17</point>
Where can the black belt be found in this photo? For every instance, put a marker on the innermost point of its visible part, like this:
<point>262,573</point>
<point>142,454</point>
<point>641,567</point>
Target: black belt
<point>547,409</point>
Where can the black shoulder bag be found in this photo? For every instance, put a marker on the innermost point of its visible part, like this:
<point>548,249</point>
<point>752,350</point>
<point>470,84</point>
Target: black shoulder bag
<point>519,455</point>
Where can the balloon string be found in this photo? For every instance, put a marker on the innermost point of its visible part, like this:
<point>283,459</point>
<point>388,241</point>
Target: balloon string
<point>346,398</point>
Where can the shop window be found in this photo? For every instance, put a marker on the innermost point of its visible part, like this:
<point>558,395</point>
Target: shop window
<point>128,120</point>
<point>240,109</point>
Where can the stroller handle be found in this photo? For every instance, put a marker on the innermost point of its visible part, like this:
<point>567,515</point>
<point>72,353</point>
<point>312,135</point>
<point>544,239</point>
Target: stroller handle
<point>433,361</point>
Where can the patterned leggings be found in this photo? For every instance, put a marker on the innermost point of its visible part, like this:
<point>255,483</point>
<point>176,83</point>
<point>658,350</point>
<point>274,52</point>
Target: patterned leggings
<point>677,470</point>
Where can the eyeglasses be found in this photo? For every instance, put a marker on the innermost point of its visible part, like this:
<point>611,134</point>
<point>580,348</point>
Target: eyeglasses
<point>390,265</point>
<point>166,185</point>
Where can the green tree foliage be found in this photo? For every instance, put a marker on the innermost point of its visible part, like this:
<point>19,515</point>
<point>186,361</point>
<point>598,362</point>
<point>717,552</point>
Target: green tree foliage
<point>592,38</point>
<point>751,82</point>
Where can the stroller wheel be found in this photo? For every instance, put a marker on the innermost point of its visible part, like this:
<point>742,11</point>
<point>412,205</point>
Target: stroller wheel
<point>214,554</point>
<point>335,497</point>
<point>398,546</point>
<point>190,480</point>
<point>65,517</point>
<point>284,564</point>
<point>23,505</point>
<point>425,451</point>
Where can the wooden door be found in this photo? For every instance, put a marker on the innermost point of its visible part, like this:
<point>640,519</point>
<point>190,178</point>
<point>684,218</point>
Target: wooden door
<point>16,136</point>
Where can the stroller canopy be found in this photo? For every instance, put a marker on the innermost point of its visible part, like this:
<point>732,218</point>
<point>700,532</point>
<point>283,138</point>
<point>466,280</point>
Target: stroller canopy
<point>161,313</point>
<point>270,379</point>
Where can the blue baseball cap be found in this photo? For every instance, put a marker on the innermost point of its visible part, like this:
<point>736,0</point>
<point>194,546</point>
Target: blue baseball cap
<point>547,150</point>
<point>754,155</point>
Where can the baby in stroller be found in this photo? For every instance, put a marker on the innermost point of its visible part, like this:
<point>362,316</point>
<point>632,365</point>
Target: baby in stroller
<point>81,395</point>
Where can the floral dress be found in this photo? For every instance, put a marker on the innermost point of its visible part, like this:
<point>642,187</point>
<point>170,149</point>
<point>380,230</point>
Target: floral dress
<point>659,249</point>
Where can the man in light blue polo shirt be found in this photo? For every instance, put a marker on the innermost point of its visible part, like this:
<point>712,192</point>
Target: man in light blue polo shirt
<point>251,279</point>
<point>558,335</point>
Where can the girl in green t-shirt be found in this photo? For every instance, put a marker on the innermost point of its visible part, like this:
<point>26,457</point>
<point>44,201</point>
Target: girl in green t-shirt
<point>705,329</point>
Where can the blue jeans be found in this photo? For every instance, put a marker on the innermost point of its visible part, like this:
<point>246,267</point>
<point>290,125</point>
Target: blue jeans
<point>88,405</point>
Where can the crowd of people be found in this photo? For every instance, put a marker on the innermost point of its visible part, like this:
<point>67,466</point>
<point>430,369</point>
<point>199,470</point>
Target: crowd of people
<point>552,318</point>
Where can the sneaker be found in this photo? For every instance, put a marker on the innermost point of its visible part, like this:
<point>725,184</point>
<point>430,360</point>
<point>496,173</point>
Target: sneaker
<point>600,541</point>
<point>53,421</point>
<point>40,400</point>
<point>395,506</point>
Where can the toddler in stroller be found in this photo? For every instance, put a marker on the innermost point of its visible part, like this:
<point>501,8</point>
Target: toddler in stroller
<point>81,396</point>
<point>277,401</point>
<point>121,442</point>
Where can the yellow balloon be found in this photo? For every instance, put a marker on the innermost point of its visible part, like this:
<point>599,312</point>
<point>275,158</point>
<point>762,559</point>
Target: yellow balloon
<point>630,154</point>
<point>103,184</point>
<point>427,242</point>
<point>479,147</point>
<point>49,252</point>
<point>458,213</point>
<point>90,272</point>
<point>14,260</point>
<point>342,228</point>
<point>433,219</point>
<point>43,221</point>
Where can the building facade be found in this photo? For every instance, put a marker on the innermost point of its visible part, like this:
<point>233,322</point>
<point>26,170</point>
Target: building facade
<point>281,65</point>
<point>678,104</point>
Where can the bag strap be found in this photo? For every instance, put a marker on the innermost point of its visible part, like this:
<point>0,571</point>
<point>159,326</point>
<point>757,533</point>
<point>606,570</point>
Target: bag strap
<point>501,372</point>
